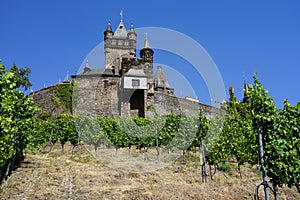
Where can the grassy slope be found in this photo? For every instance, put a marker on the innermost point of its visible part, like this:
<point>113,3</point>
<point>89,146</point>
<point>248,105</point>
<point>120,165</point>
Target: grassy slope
<point>58,176</point>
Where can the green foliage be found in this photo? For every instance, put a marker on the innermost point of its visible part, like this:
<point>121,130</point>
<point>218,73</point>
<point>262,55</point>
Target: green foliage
<point>280,129</point>
<point>238,137</point>
<point>16,112</point>
<point>212,142</point>
<point>283,147</point>
<point>224,166</point>
<point>92,130</point>
<point>66,129</point>
<point>186,134</point>
<point>21,77</point>
<point>203,126</point>
<point>63,96</point>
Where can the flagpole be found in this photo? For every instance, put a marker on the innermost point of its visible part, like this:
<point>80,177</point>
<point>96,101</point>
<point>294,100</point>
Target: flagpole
<point>121,14</point>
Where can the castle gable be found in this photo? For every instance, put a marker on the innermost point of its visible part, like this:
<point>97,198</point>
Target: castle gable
<point>121,31</point>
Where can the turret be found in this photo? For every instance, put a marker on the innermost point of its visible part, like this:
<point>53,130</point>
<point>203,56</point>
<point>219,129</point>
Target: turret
<point>147,53</point>
<point>160,82</point>
<point>108,33</point>
<point>132,33</point>
<point>146,57</point>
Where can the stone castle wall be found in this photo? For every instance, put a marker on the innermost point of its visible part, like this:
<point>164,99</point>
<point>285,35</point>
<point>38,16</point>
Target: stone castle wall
<point>43,98</point>
<point>165,104</point>
<point>96,99</point>
<point>92,96</point>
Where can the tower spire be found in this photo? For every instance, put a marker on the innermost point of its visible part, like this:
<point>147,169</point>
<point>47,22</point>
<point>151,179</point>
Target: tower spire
<point>66,80</point>
<point>87,64</point>
<point>131,28</point>
<point>108,28</point>
<point>246,98</point>
<point>146,44</point>
<point>108,33</point>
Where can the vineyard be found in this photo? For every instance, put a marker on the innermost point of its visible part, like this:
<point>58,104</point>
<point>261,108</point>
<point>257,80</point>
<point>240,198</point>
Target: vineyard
<point>232,138</point>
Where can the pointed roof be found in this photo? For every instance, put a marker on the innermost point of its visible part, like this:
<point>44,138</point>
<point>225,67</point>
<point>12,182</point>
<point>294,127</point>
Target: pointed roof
<point>246,99</point>
<point>131,28</point>
<point>160,78</point>
<point>121,30</point>
<point>146,44</point>
<point>66,80</point>
<point>245,86</point>
<point>87,64</point>
<point>108,28</point>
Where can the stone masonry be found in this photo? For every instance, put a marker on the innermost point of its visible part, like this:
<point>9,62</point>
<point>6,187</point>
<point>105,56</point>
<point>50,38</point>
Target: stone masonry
<point>126,86</point>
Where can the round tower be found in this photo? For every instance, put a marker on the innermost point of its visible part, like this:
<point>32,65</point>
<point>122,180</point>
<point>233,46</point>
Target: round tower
<point>146,56</point>
<point>147,53</point>
<point>108,33</point>
<point>132,33</point>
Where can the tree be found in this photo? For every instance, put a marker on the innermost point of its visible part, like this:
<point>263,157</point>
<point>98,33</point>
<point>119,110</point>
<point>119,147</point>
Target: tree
<point>16,112</point>
<point>21,77</point>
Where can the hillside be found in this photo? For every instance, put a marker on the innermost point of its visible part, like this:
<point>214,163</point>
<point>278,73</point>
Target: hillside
<point>62,176</point>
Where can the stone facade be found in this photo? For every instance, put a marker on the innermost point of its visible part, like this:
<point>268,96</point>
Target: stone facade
<point>43,98</point>
<point>126,86</point>
<point>166,104</point>
<point>49,101</point>
<point>118,45</point>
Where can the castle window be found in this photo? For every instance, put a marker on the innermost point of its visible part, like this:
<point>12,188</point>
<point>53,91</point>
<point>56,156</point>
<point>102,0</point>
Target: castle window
<point>126,43</point>
<point>135,82</point>
<point>159,89</point>
<point>120,42</point>
<point>105,84</point>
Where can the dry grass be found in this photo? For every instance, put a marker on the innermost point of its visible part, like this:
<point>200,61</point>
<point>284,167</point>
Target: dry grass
<point>63,176</point>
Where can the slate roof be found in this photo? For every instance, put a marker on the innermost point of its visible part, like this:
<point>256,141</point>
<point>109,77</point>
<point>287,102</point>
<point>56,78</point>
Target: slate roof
<point>96,71</point>
<point>121,31</point>
<point>160,78</point>
<point>136,72</point>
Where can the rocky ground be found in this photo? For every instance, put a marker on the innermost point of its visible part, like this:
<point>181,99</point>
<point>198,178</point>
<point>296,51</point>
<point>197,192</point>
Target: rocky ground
<point>63,176</point>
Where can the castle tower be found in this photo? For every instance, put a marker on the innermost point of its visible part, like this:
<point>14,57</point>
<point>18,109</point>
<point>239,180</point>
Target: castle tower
<point>146,57</point>
<point>161,84</point>
<point>118,44</point>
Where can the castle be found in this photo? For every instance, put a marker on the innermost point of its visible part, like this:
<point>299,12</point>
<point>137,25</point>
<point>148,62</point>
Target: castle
<point>126,86</point>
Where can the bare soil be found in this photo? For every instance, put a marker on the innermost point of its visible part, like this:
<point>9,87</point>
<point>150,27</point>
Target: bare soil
<point>55,175</point>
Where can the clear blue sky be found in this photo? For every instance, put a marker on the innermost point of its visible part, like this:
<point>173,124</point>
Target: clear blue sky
<point>242,37</point>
